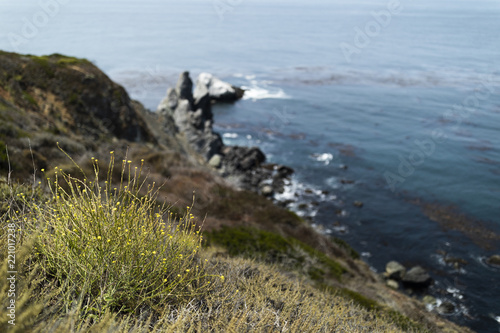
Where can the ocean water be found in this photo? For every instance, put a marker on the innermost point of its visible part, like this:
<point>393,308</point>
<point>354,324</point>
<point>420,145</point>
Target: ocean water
<point>391,103</point>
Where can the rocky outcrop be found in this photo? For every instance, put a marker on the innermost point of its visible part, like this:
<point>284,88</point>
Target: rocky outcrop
<point>218,90</point>
<point>193,118</point>
<point>192,115</point>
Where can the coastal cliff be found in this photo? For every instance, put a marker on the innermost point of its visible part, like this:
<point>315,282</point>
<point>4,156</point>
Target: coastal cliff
<point>52,107</point>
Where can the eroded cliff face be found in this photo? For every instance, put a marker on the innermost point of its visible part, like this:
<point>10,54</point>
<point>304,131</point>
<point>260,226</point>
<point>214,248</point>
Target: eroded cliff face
<point>52,101</point>
<point>71,95</point>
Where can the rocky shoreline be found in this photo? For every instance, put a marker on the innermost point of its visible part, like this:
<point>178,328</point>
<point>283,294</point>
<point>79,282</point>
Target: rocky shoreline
<point>244,167</point>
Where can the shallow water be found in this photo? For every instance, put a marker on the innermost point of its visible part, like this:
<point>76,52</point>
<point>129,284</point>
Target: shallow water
<point>313,108</point>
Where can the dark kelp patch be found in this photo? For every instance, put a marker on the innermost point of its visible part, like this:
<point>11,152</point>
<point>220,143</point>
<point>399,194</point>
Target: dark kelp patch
<point>450,217</point>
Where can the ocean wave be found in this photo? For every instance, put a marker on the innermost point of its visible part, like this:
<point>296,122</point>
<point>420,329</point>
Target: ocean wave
<point>255,93</point>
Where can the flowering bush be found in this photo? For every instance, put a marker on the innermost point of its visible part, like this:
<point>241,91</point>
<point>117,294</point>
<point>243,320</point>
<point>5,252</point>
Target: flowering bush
<point>116,245</point>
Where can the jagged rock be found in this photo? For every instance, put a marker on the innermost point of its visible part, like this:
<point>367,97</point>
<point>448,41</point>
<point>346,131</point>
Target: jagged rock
<point>219,90</point>
<point>184,87</point>
<point>394,270</point>
<point>284,171</point>
<point>243,158</point>
<point>417,277</point>
<point>201,98</point>
<point>494,260</point>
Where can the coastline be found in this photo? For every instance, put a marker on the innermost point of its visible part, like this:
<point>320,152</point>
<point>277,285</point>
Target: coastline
<point>47,115</point>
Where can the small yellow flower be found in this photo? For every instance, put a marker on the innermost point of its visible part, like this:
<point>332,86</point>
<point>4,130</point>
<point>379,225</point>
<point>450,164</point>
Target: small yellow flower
<point>142,254</point>
<point>113,261</point>
<point>43,170</point>
<point>187,270</point>
<point>222,277</point>
<point>165,280</point>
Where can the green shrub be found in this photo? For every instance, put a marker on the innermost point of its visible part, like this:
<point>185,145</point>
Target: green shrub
<point>346,247</point>
<point>273,248</point>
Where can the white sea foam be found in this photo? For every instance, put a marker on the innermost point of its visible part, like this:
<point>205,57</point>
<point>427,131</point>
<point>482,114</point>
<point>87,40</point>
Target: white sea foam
<point>333,182</point>
<point>230,135</point>
<point>324,157</point>
<point>255,93</point>
<point>366,254</point>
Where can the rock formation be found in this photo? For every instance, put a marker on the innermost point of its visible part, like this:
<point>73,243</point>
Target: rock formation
<point>218,90</point>
<point>193,118</point>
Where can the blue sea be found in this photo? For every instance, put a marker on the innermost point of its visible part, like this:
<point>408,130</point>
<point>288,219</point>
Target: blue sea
<point>393,103</point>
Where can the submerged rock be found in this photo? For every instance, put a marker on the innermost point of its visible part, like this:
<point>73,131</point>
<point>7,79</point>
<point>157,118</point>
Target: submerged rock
<point>430,300</point>
<point>446,308</point>
<point>494,260</point>
<point>417,277</point>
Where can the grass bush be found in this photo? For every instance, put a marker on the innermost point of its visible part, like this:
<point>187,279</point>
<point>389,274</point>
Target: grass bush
<point>115,248</point>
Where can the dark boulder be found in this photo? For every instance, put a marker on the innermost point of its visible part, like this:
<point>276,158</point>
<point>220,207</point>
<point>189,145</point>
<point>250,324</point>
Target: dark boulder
<point>417,277</point>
